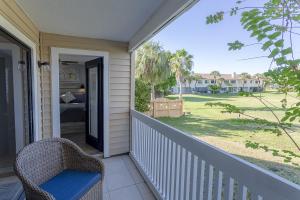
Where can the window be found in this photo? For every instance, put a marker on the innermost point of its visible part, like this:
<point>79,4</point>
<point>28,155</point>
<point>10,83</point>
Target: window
<point>233,81</point>
<point>245,82</point>
<point>206,81</point>
<point>212,81</point>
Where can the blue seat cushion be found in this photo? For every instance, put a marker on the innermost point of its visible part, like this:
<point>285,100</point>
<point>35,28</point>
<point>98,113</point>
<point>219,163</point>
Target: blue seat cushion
<point>71,184</point>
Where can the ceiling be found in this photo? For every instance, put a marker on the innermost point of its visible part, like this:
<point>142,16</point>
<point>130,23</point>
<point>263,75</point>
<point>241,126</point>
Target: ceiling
<point>115,20</point>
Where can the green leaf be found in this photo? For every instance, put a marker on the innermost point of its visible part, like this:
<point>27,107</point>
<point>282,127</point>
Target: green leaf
<point>295,62</point>
<point>267,29</point>
<point>254,33</point>
<point>260,37</point>
<point>267,44</point>
<point>263,23</point>
<point>276,2</point>
<point>274,53</point>
<point>287,51</point>
<point>274,35</point>
<point>280,61</point>
<point>279,43</point>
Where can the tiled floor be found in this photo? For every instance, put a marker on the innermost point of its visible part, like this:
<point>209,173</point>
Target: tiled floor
<point>123,181</point>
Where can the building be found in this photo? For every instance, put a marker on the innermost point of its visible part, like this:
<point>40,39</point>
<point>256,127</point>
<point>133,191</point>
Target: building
<point>229,83</point>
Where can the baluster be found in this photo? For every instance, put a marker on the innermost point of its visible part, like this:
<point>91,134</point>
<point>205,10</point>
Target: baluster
<point>168,182</point>
<point>177,175</point>
<point>173,176</point>
<point>189,178</point>
<point>183,173</point>
<point>151,152</point>
<point>156,158</point>
<point>148,149</point>
<point>193,178</point>
<point>161,163</point>
<point>210,182</point>
<point>202,177</point>
<point>242,192</point>
<point>165,167</point>
<point>229,187</point>
<point>143,146</point>
<point>138,141</point>
<point>218,181</point>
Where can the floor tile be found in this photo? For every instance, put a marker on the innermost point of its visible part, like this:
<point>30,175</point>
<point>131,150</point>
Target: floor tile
<point>127,193</point>
<point>135,174</point>
<point>119,180</point>
<point>114,165</point>
<point>145,191</point>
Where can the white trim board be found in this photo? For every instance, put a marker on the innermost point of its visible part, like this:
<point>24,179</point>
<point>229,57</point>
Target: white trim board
<point>36,100</point>
<point>55,52</point>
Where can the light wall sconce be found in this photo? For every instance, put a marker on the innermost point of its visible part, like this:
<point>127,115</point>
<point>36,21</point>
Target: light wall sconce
<point>44,65</point>
<point>21,65</point>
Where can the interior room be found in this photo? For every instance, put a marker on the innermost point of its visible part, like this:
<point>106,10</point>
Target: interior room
<point>73,96</point>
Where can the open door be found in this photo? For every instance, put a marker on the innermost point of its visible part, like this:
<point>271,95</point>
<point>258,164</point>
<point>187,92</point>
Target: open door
<point>94,103</point>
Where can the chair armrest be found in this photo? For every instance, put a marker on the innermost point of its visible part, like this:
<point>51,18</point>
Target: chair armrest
<point>75,158</point>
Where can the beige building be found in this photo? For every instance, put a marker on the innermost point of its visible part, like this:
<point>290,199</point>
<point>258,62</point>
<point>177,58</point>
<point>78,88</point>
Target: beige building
<point>229,83</point>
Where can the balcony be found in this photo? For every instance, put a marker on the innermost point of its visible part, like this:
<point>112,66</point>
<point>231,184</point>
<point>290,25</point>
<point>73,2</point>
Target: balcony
<point>178,166</point>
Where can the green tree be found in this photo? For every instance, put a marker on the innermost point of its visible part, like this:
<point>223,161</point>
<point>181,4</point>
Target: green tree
<point>216,75</point>
<point>215,87</point>
<point>165,86</point>
<point>181,65</point>
<point>197,77</point>
<point>142,95</point>
<point>274,25</point>
<point>152,64</point>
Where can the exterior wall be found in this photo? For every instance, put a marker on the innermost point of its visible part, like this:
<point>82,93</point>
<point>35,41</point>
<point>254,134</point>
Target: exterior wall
<point>10,10</point>
<point>119,65</point>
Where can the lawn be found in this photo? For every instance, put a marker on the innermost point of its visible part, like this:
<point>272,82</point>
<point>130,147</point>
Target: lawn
<point>228,133</point>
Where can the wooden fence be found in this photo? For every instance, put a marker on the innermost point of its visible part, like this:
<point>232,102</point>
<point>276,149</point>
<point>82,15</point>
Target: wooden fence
<point>165,108</point>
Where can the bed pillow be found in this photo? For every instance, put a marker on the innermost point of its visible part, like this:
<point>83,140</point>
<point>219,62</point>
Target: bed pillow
<point>80,98</point>
<point>68,97</point>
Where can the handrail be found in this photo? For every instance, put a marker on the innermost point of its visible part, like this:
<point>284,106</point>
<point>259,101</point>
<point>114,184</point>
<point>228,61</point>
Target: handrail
<point>179,166</point>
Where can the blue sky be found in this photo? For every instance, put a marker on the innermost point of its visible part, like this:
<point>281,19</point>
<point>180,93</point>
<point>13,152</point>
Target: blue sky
<point>208,43</point>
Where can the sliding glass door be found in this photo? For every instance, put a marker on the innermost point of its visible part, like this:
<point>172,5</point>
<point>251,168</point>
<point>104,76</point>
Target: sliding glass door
<point>15,100</point>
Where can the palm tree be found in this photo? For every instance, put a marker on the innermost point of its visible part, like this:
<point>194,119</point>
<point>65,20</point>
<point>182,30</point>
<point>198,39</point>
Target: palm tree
<point>190,78</point>
<point>244,77</point>
<point>181,64</point>
<point>196,78</point>
<point>152,65</point>
<point>216,75</point>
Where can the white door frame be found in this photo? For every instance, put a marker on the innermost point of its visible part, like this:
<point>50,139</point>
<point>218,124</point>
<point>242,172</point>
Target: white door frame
<point>55,52</point>
<point>36,100</point>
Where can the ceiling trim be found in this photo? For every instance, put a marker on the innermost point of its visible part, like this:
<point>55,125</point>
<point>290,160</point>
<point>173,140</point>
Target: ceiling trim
<point>166,13</point>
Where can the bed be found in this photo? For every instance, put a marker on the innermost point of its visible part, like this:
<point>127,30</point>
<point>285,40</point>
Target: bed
<point>72,114</point>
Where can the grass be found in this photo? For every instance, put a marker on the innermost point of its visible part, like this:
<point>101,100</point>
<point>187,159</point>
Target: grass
<point>228,133</point>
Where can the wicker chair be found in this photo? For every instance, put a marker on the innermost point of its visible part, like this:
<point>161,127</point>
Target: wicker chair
<point>43,160</point>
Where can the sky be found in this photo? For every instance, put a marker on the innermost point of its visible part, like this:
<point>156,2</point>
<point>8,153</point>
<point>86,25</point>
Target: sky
<point>208,43</point>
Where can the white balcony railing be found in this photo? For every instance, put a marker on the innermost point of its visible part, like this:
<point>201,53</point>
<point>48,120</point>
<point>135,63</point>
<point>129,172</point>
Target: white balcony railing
<point>178,167</point>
